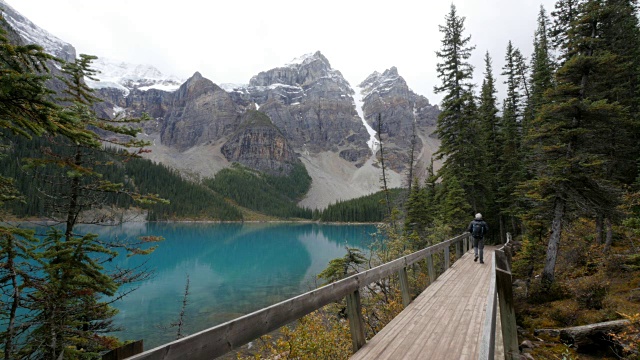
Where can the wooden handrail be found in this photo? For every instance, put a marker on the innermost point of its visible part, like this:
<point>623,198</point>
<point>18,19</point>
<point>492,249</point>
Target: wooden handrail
<point>500,293</point>
<point>218,340</point>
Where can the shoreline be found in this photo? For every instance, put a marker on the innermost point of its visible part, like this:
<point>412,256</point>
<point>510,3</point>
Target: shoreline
<point>48,222</point>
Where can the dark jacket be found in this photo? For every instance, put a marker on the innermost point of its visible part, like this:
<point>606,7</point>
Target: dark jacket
<point>482,223</point>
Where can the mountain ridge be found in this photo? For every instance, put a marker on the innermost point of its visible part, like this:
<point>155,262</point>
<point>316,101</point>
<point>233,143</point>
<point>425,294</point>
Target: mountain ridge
<point>324,121</point>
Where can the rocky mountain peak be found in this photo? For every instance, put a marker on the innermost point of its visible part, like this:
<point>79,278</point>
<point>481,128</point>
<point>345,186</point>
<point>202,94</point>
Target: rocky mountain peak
<point>196,85</point>
<point>389,81</point>
<point>303,72</point>
<point>126,77</point>
<point>33,34</point>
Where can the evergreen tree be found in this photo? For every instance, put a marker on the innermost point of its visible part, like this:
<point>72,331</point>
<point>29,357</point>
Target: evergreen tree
<point>453,208</point>
<point>542,80</point>
<point>68,308</point>
<point>490,144</point>
<point>457,122</point>
<point>569,163</point>
<point>510,171</point>
<point>416,208</point>
<point>541,66</point>
<point>564,16</point>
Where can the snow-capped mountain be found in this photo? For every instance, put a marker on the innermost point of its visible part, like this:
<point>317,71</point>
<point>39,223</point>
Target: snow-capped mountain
<point>33,34</point>
<point>311,113</point>
<point>126,77</point>
<point>111,73</point>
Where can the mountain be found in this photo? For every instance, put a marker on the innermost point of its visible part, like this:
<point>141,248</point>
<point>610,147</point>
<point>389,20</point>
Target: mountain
<point>126,77</point>
<point>304,111</point>
<point>389,96</point>
<point>30,33</point>
<point>312,104</point>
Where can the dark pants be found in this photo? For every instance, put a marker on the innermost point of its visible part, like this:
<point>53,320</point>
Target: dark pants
<point>478,246</point>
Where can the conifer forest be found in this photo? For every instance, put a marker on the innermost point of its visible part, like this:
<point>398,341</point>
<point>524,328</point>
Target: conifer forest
<point>554,161</point>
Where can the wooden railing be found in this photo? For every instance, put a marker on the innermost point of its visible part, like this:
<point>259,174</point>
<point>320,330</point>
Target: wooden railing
<point>216,341</point>
<point>500,288</point>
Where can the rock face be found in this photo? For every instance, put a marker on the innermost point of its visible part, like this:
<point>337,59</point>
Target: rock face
<point>389,96</point>
<point>200,112</point>
<point>32,34</point>
<point>258,144</point>
<point>306,112</point>
<point>311,104</point>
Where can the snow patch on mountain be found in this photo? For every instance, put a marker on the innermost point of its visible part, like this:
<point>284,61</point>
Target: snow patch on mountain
<point>126,77</point>
<point>380,83</point>
<point>358,100</point>
<point>33,34</point>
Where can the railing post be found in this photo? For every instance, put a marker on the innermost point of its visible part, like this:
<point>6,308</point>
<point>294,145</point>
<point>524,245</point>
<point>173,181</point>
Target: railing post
<point>487,347</point>
<point>356,322</point>
<point>507,311</point>
<point>446,258</point>
<point>404,287</point>
<point>125,351</point>
<point>431,269</point>
<point>465,243</point>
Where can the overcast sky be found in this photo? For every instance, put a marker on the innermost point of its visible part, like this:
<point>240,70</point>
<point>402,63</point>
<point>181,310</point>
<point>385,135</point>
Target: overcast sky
<point>230,41</point>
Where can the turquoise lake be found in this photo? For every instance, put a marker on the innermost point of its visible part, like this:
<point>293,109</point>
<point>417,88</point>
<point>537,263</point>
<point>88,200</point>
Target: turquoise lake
<point>233,269</point>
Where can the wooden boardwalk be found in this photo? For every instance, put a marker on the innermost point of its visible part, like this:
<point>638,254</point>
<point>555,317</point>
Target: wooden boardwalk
<point>444,322</point>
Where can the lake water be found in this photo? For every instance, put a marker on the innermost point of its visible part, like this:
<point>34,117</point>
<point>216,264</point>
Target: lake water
<point>233,269</point>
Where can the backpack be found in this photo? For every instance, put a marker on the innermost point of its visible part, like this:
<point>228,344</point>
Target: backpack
<point>477,229</point>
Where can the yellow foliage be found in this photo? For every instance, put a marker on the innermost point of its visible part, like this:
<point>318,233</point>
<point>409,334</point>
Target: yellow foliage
<point>630,337</point>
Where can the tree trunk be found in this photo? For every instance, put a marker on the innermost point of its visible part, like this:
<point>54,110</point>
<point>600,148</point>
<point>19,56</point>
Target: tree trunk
<point>15,299</point>
<point>599,219</point>
<point>384,175</point>
<point>609,236</point>
<point>548,273</point>
<point>592,334</point>
<point>412,156</point>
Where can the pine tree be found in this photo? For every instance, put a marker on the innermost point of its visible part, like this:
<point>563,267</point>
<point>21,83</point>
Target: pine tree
<point>510,171</point>
<point>542,80</point>
<point>69,306</point>
<point>457,122</point>
<point>541,66</point>
<point>489,142</point>
<point>564,16</point>
<point>569,163</point>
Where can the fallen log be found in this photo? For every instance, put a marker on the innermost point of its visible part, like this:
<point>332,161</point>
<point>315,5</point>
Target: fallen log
<point>592,334</point>
<point>547,332</point>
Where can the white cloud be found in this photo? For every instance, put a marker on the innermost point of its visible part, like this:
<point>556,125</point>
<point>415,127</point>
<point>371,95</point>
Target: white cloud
<point>229,42</point>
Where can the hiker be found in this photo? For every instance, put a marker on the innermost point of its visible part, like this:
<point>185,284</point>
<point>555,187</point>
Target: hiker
<point>478,228</point>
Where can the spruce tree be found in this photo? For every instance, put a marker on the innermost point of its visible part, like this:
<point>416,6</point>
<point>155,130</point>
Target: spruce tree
<point>541,66</point>
<point>457,121</point>
<point>510,171</point>
<point>490,144</point>
<point>70,312</point>
<point>569,162</point>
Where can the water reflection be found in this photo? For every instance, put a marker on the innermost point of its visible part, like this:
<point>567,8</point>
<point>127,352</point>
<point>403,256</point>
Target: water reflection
<point>233,269</point>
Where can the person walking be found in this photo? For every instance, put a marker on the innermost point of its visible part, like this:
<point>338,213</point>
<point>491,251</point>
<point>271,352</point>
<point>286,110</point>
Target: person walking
<point>478,228</point>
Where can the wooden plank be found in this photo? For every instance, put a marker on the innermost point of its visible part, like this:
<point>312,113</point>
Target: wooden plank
<point>446,258</point>
<point>487,344</point>
<point>125,351</point>
<point>221,339</point>
<point>431,269</point>
<point>404,287</point>
<point>507,314</point>
<point>443,322</point>
<point>356,322</point>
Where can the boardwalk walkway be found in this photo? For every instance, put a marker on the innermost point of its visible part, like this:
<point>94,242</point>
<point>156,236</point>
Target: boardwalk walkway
<point>444,322</point>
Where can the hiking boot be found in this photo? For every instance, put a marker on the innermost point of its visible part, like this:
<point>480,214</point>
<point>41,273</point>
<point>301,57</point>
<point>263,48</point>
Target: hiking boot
<point>476,258</point>
<point>481,262</point>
